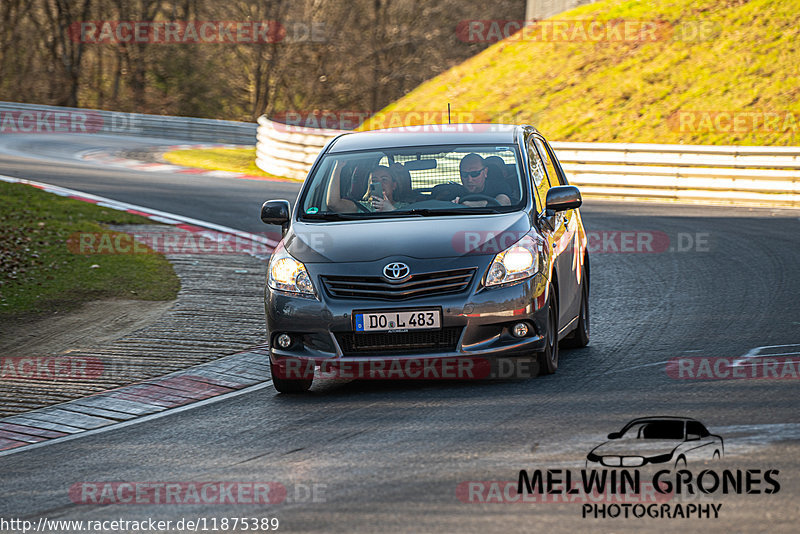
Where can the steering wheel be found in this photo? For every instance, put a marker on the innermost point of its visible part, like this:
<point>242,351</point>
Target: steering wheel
<point>361,207</point>
<point>490,201</point>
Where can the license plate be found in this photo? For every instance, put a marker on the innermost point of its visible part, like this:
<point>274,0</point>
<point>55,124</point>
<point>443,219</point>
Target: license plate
<point>397,320</point>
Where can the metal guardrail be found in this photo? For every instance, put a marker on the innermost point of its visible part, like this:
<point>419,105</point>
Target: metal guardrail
<point>730,174</point>
<point>289,151</point>
<point>735,174</point>
<point>697,173</point>
<point>542,9</point>
<point>31,118</point>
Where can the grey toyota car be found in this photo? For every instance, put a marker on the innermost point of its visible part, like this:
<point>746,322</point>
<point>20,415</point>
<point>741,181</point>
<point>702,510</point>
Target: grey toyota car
<point>432,253</point>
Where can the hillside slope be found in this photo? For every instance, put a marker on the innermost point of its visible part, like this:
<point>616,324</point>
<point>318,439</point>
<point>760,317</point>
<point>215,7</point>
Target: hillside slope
<point>712,72</point>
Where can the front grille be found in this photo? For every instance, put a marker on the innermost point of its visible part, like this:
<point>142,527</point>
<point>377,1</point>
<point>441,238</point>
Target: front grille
<point>391,343</point>
<point>416,285</point>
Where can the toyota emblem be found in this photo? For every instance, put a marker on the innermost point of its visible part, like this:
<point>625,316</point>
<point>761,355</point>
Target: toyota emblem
<point>396,271</point>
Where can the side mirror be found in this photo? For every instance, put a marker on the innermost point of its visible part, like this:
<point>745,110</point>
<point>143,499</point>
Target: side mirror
<point>563,197</point>
<point>276,212</point>
<point>614,435</point>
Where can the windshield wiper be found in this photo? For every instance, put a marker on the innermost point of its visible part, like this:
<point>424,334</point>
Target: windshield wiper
<point>431,212</point>
<point>333,216</point>
<point>414,212</point>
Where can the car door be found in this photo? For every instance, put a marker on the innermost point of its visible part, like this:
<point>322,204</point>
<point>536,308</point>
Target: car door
<point>580,240</point>
<point>563,242</point>
<point>700,445</point>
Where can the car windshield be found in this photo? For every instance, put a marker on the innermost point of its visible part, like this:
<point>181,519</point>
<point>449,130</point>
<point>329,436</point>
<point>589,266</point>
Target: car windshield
<point>655,430</point>
<point>410,182</point>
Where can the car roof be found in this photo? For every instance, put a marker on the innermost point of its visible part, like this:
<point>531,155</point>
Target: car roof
<point>426,135</point>
<point>661,418</point>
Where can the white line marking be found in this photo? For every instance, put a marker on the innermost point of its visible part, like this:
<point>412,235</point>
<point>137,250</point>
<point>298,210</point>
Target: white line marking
<point>102,204</point>
<point>223,174</point>
<point>739,362</point>
<point>116,204</point>
<point>138,420</point>
<point>756,353</point>
<point>164,220</point>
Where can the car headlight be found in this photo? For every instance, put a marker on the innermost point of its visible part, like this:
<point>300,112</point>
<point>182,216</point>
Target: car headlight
<point>632,461</point>
<point>287,274</point>
<point>517,262</point>
<point>660,459</point>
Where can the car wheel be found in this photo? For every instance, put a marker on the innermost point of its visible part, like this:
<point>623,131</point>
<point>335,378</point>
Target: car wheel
<point>289,385</point>
<point>716,456</point>
<point>548,358</point>
<point>680,463</point>
<point>579,337</point>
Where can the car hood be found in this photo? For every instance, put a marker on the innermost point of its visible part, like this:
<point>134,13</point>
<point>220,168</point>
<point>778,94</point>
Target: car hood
<point>419,237</point>
<point>637,447</point>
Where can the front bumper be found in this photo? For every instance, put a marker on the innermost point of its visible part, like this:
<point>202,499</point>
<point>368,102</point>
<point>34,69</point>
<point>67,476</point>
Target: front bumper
<point>479,320</point>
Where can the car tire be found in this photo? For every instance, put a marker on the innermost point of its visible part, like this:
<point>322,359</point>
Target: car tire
<point>680,463</point>
<point>290,385</point>
<point>548,358</point>
<point>579,337</point>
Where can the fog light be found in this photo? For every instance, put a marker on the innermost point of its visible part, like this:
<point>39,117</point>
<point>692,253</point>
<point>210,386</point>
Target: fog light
<point>284,341</point>
<point>520,330</point>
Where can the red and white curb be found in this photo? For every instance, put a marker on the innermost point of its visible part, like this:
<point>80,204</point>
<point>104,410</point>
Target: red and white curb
<point>223,378</point>
<point>261,243</point>
<point>106,157</point>
<point>203,384</point>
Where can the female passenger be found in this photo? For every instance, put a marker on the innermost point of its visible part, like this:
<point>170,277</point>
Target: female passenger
<point>394,181</point>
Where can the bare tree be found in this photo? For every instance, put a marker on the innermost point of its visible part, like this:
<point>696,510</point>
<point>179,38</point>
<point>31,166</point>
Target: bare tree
<point>53,24</point>
<point>355,55</point>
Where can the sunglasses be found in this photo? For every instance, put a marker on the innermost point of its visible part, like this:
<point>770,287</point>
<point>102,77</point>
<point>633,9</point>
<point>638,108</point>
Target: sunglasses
<point>472,174</point>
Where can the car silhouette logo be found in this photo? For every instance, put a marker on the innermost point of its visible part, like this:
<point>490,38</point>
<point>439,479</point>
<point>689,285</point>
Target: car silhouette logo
<point>675,441</point>
<point>396,271</point>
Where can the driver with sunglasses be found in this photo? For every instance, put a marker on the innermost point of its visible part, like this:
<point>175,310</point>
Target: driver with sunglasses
<point>473,171</point>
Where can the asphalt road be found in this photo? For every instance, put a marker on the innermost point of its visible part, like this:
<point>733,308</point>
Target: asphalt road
<point>52,159</point>
<point>389,456</point>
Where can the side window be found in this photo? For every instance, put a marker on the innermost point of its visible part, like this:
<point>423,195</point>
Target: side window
<point>693,427</point>
<point>540,182</point>
<point>560,176</point>
<point>548,163</point>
